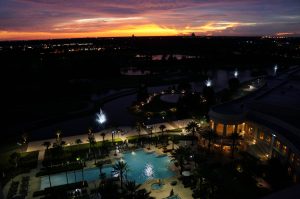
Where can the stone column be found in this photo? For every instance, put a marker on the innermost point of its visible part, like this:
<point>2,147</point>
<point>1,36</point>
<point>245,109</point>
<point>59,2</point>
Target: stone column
<point>215,127</point>
<point>256,132</point>
<point>272,145</point>
<point>235,128</point>
<point>224,130</point>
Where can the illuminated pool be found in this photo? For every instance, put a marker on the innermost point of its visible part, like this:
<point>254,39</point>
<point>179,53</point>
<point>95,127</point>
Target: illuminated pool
<point>142,167</point>
<point>145,166</point>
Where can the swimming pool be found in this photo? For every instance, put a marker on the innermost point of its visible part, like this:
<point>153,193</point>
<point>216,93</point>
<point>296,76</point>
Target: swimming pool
<point>142,167</point>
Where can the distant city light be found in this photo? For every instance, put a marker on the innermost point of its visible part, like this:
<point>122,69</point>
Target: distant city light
<point>236,73</point>
<point>208,83</point>
<point>101,118</point>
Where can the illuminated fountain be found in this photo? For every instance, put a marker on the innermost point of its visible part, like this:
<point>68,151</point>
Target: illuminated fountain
<point>208,83</point>
<point>101,118</point>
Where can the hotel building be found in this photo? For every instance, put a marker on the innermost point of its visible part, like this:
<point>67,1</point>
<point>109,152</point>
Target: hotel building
<point>266,118</point>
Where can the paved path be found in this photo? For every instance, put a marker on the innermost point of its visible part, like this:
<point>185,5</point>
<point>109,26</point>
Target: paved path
<point>38,145</point>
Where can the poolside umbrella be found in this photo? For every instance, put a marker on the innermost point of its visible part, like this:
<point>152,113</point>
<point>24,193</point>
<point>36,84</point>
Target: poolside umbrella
<point>186,173</point>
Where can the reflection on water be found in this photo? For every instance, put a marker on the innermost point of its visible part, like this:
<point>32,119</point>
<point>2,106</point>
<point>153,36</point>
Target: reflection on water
<point>148,171</point>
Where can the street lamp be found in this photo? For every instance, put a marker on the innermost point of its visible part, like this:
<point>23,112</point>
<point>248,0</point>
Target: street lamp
<point>81,164</point>
<point>236,73</point>
<point>275,69</point>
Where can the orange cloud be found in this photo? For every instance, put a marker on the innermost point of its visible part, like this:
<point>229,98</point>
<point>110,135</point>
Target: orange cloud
<point>125,31</point>
<point>284,33</point>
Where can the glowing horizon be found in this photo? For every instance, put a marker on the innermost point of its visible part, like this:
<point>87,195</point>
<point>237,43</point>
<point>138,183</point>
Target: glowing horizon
<point>53,19</point>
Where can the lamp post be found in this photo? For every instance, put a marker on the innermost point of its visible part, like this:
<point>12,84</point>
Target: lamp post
<point>81,164</point>
<point>275,69</point>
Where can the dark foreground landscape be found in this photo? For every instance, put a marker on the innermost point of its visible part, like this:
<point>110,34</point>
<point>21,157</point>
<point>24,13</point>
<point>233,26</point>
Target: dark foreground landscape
<point>219,112</point>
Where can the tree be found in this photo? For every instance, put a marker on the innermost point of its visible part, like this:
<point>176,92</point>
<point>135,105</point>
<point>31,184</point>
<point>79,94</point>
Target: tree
<point>92,141</point>
<point>234,84</point>
<point>211,136</point>
<point>234,137</point>
<point>192,127</point>
<point>162,127</point>
<point>47,144</point>
<point>131,188</point>
<point>108,189</point>
<point>180,155</point>
<point>133,191</point>
<point>209,95</point>
<point>57,153</point>
<point>58,137</point>
<point>24,138</point>
<point>103,136</point>
<point>120,168</point>
<point>78,141</point>
<point>138,128</point>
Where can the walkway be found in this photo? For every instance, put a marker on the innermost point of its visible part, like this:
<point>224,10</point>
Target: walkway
<point>38,145</point>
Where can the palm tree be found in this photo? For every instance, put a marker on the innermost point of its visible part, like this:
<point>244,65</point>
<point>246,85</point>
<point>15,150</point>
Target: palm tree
<point>91,139</point>
<point>78,141</point>
<point>138,128</point>
<point>192,127</point>
<point>235,137</point>
<point>103,136</point>
<point>211,136</point>
<point>47,144</point>
<point>162,127</point>
<point>180,155</point>
<point>120,168</point>
<point>131,189</point>
<point>58,138</point>
<point>24,138</point>
<point>143,194</point>
<point>150,133</point>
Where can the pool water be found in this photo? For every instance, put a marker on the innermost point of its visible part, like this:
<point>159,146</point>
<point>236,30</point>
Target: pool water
<point>142,167</point>
<point>145,166</point>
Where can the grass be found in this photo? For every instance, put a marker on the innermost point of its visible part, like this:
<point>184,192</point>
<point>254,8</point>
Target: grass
<point>25,158</point>
<point>71,153</point>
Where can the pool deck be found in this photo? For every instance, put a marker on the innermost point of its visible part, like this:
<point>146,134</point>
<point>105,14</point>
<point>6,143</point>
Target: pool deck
<point>35,182</point>
<point>164,192</point>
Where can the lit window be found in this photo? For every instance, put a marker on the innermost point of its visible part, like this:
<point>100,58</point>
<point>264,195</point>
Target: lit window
<point>284,149</point>
<point>292,157</point>
<point>268,139</point>
<point>261,135</point>
<point>277,145</point>
<point>297,161</point>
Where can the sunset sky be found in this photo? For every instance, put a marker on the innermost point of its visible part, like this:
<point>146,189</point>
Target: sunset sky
<point>48,19</point>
